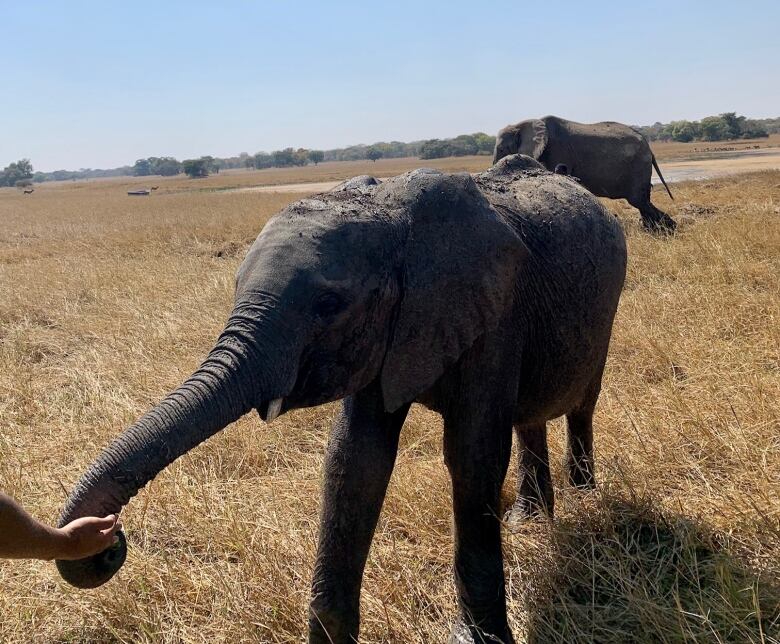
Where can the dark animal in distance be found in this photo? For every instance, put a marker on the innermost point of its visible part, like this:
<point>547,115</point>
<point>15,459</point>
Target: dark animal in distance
<point>489,299</point>
<point>29,191</point>
<point>610,159</point>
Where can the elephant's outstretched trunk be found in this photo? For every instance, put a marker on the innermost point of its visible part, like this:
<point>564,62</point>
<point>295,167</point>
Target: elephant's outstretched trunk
<point>223,389</point>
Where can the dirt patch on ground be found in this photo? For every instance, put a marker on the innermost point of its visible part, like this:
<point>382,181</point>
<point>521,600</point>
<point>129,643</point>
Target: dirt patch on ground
<point>319,186</point>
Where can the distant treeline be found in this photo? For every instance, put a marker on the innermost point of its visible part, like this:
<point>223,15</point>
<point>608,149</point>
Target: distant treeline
<point>463,145</point>
<point>724,127</point>
<point>83,173</point>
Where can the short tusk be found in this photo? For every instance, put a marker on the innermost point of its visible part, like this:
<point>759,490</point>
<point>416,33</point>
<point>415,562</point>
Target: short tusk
<point>274,407</point>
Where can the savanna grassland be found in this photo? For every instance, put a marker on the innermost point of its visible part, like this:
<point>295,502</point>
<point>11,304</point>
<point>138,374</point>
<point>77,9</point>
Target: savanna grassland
<point>678,151</point>
<point>107,302</point>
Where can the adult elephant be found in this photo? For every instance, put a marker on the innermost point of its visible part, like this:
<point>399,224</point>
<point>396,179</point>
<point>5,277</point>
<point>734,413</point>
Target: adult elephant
<point>488,299</point>
<point>610,159</point>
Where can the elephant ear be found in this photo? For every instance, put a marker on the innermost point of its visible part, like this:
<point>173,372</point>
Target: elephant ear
<point>533,138</point>
<point>458,274</point>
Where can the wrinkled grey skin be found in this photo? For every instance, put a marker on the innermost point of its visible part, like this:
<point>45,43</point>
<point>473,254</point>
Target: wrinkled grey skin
<point>610,159</point>
<point>488,299</point>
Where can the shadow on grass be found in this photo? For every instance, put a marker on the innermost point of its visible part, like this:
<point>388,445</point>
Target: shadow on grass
<point>624,573</point>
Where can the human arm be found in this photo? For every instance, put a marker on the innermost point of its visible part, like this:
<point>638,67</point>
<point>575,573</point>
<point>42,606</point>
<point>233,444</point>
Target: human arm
<point>23,537</point>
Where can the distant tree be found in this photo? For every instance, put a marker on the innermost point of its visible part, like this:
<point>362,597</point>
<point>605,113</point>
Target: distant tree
<point>245,161</point>
<point>196,168</point>
<point>142,168</point>
<point>435,149</point>
<point>23,183</point>
<point>665,133</point>
<point>651,132</point>
<point>283,158</point>
<point>733,123</point>
<point>301,156</point>
<point>485,143</point>
<point>373,153</point>
<point>262,160</point>
<point>683,131</point>
<point>463,145</point>
<point>753,129</point>
<point>19,171</point>
<point>166,166</point>
<point>772,126</point>
<point>352,153</point>
<point>316,156</point>
<point>714,128</point>
<point>212,164</point>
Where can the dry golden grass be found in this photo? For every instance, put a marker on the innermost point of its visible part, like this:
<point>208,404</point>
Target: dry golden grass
<point>107,302</point>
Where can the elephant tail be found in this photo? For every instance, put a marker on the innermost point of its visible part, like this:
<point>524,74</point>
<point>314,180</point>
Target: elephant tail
<point>661,177</point>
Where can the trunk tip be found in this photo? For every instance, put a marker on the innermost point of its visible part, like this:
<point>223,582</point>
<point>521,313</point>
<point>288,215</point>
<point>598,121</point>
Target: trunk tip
<point>96,570</point>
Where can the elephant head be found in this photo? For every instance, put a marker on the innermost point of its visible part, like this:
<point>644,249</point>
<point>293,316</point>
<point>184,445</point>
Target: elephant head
<point>527,137</point>
<point>369,283</point>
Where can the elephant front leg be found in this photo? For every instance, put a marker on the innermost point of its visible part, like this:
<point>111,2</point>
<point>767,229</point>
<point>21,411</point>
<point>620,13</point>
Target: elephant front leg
<point>358,464</point>
<point>534,485</point>
<point>477,454</point>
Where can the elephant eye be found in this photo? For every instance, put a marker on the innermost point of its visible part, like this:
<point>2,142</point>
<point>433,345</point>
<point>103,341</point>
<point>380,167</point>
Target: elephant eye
<point>328,304</point>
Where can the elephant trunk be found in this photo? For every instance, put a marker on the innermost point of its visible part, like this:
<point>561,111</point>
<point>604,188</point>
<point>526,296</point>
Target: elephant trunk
<point>224,388</point>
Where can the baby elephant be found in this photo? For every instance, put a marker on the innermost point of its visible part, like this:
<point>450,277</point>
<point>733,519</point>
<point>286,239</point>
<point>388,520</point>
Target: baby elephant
<point>488,299</point>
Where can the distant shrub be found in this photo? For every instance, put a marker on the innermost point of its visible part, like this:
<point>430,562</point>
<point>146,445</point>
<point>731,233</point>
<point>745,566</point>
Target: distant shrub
<point>726,126</point>
<point>714,128</point>
<point>753,129</point>
<point>460,146</point>
<point>22,170</point>
<point>684,131</point>
<point>374,153</point>
<point>196,168</point>
<point>165,166</point>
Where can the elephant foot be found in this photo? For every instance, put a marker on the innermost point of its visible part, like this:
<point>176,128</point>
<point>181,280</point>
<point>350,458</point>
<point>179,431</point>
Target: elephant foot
<point>659,223</point>
<point>461,634</point>
<point>526,509</point>
<point>581,476</point>
<point>582,484</point>
<point>332,627</point>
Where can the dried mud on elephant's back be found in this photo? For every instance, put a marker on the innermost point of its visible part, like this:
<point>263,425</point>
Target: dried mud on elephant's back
<point>118,300</point>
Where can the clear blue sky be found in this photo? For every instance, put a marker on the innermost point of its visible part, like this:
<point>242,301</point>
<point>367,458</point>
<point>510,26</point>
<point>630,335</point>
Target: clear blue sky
<point>100,84</point>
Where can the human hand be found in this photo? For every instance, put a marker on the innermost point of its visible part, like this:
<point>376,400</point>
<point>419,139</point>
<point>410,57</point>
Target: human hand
<point>87,536</point>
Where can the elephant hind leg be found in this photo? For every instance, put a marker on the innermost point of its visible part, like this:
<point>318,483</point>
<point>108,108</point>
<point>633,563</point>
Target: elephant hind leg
<point>579,451</point>
<point>654,220</point>
<point>658,222</point>
<point>534,485</point>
